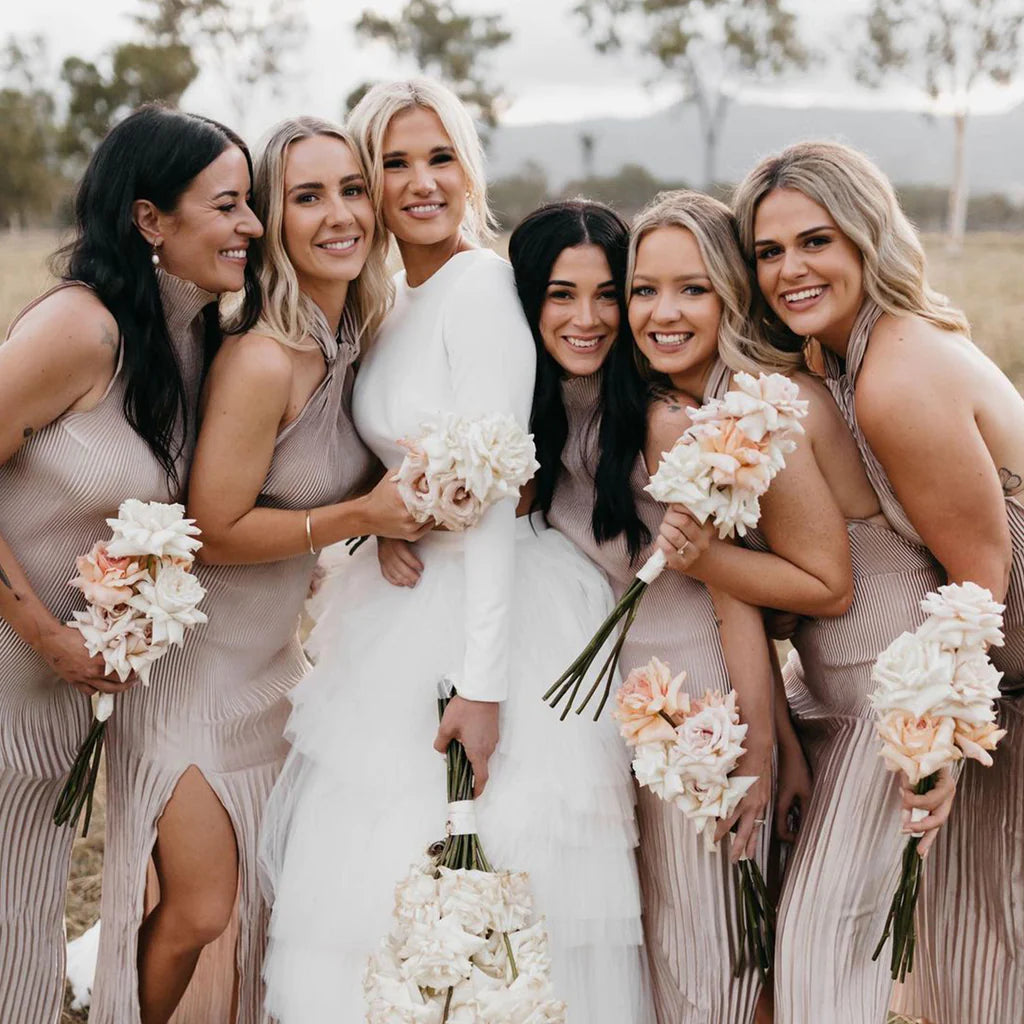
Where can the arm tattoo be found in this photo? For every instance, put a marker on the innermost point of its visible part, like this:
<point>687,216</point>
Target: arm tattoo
<point>109,339</point>
<point>666,397</point>
<point>4,579</point>
<point>1012,483</point>
<point>27,433</point>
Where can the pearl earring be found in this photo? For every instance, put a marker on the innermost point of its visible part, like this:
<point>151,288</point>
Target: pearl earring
<point>155,257</point>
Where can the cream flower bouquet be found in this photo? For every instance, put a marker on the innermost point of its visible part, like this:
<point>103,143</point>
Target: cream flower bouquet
<point>718,469</point>
<point>141,600</point>
<point>935,701</point>
<point>685,751</point>
<point>459,466</point>
<point>462,949</point>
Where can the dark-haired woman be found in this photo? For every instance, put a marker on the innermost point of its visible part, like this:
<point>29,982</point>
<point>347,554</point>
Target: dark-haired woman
<point>600,425</point>
<point>99,384</point>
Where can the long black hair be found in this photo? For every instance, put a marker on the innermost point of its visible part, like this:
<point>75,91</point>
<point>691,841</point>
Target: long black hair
<point>155,153</point>
<point>535,245</point>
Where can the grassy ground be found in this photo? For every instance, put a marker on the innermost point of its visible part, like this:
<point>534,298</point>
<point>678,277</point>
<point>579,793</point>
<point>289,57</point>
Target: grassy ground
<point>986,280</point>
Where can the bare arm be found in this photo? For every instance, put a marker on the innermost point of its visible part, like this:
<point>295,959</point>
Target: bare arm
<point>919,420</point>
<point>248,392</point>
<point>60,358</point>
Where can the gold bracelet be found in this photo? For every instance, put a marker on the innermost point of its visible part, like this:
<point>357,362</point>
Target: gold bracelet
<point>309,531</point>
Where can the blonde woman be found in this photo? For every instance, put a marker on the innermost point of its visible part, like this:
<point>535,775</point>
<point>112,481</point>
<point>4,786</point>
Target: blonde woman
<point>192,758</point>
<point>941,434</point>
<point>497,610</point>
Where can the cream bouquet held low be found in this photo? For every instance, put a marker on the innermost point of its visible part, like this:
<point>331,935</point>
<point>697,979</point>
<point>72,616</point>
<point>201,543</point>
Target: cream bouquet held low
<point>935,701</point>
<point>141,599</point>
<point>718,470</point>
<point>686,751</point>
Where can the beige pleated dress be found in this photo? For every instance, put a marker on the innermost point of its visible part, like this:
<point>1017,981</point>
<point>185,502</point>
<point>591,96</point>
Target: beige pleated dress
<point>220,703</point>
<point>969,964</point>
<point>55,495</point>
<point>689,894</point>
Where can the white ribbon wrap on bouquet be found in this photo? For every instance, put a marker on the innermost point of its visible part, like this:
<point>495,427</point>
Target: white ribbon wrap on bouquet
<point>102,706</point>
<point>652,568</point>
<point>462,818</point>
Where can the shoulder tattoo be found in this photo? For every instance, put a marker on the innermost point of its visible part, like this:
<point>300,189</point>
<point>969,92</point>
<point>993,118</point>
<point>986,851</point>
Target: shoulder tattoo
<point>1012,483</point>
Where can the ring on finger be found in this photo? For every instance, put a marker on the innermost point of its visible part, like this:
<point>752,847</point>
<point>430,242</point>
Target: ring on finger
<point>759,821</point>
<point>681,550</point>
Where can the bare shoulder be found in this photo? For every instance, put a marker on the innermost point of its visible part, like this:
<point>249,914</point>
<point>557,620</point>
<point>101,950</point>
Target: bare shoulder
<point>70,327</point>
<point>823,414</point>
<point>667,417</point>
<point>255,359</point>
<point>912,367</point>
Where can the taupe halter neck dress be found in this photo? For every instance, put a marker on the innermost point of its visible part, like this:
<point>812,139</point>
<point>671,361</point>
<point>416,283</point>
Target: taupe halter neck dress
<point>55,494</point>
<point>220,703</point>
<point>689,895</point>
<point>968,967</point>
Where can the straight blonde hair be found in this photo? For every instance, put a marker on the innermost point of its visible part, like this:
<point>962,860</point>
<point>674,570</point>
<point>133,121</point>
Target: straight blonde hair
<point>372,115</point>
<point>713,227</point>
<point>863,203</point>
<point>288,313</point>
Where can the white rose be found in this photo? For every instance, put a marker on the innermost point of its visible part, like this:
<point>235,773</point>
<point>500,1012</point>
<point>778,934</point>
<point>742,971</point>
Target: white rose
<point>124,641</point>
<point>417,900</point>
<point>169,602</point>
<point>469,897</point>
<point>963,615</point>
<point>709,740</point>
<point>975,688</point>
<point>651,767</point>
<point>437,955</point>
<point>530,948</point>
<point>706,805</point>
<point>913,674</point>
<point>528,1000</point>
<point>153,528</point>
<point>767,404</point>
<point>514,905</point>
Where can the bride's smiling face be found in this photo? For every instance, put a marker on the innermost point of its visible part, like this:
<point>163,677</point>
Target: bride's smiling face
<point>424,184</point>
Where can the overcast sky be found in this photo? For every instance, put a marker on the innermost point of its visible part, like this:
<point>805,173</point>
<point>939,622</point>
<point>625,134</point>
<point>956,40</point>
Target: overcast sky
<point>549,69</point>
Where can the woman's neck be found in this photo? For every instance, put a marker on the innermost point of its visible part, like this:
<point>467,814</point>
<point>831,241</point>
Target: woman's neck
<point>422,262</point>
<point>330,297</point>
<point>694,380</point>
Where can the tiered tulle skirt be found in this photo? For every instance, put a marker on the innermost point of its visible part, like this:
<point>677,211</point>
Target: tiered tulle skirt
<point>362,794</point>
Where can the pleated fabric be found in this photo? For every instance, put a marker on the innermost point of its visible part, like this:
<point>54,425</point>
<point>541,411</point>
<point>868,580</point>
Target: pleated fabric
<point>968,966</point>
<point>689,893</point>
<point>55,494</point>
<point>220,703</point>
<point>844,866</point>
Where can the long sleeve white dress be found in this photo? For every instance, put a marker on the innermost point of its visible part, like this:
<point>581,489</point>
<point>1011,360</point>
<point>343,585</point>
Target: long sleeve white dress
<point>499,610</point>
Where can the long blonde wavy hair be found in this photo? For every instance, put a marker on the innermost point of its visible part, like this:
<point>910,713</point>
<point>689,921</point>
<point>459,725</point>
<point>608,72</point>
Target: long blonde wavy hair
<point>288,313</point>
<point>712,225</point>
<point>369,123</point>
<point>863,203</point>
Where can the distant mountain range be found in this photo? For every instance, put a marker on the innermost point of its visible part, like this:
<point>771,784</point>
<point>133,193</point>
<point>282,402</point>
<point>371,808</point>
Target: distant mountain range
<point>913,149</point>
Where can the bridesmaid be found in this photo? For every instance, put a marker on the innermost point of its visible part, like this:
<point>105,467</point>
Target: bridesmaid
<point>99,381</point>
<point>941,433</point>
<point>192,759</point>
<point>616,426</point>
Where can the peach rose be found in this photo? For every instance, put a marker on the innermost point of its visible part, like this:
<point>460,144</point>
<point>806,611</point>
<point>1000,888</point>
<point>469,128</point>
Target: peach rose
<point>648,697</point>
<point>977,740</point>
<point>917,746</point>
<point>735,460</point>
<point>105,581</point>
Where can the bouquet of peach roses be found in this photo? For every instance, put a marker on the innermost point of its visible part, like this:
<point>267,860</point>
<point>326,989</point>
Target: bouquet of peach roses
<point>684,751</point>
<point>935,702</point>
<point>724,461</point>
<point>459,466</point>
<point>141,600</point>
<point>463,948</point>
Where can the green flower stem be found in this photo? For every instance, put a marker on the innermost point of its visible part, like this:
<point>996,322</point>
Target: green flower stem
<point>899,922</point>
<point>755,920</point>
<point>447,1005</point>
<point>77,793</point>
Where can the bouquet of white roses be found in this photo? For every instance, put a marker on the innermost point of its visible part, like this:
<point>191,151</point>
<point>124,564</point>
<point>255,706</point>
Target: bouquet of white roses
<point>718,469</point>
<point>141,600</point>
<point>685,751</point>
<point>463,948</point>
<point>459,466</point>
<point>935,702</point>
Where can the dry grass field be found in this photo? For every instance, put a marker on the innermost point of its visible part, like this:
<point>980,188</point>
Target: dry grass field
<point>987,280</point>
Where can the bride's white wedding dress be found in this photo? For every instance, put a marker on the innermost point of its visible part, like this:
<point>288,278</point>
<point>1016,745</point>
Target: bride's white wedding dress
<point>500,610</point>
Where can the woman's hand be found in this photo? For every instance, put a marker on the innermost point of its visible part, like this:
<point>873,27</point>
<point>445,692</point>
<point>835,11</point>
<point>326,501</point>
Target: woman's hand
<point>752,811</point>
<point>793,793</point>
<point>682,538</point>
<point>63,650</point>
<point>398,562</point>
<point>938,802</point>
<point>387,516</point>
<point>474,723</point>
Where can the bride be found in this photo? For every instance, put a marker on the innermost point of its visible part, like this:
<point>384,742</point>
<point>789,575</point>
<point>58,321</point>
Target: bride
<point>498,611</point>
